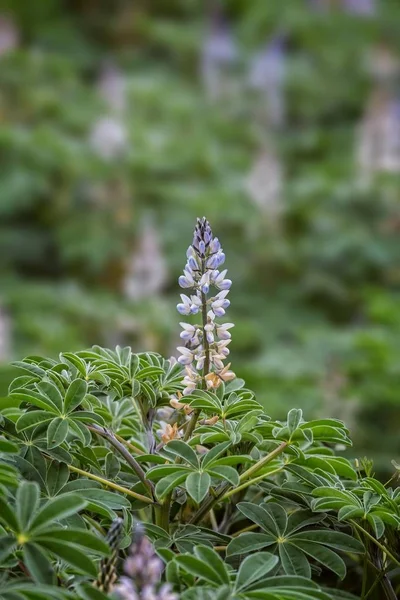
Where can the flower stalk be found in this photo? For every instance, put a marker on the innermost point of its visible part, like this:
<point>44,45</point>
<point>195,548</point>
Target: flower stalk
<point>206,344</point>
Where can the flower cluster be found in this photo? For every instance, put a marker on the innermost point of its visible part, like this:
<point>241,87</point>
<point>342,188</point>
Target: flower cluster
<point>143,571</point>
<point>206,344</point>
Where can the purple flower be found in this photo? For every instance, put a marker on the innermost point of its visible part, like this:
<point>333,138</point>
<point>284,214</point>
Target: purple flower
<point>201,272</point>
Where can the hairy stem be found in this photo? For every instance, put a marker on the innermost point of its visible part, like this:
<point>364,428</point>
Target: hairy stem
<point>250,482</point>
<point>162,513</point>
<point>110,437</point>
<point>114,486</point>
<point>212,500</point>
<point>263,461</point>
<point>375,541</point>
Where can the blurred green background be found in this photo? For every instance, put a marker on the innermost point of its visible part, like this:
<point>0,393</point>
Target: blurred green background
<point>122,121</point>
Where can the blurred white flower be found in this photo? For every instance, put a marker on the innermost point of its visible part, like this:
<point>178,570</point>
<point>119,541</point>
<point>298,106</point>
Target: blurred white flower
<point>9,35</point>
<point>359,7</point>
<point>219,54</point>
<point>108,138</point>
<point>5,335</point>
<point>267,75</point>
<point>146,273</point>
<point>265,183</point>
<point>112,87</point>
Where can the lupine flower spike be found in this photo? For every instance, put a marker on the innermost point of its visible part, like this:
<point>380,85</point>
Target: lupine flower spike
<point>107,573</point>
<point>206,344</point>
<point>143,571</point>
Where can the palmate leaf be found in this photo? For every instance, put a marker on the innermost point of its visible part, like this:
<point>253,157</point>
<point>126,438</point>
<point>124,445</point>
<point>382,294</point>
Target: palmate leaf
<point>292,540</point>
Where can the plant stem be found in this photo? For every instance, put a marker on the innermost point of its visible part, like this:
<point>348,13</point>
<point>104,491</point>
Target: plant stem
<point>110,437</point>
<point>245,530</point>
<point>212,500</point>
<point>206,368</point>
<point>375,541</point>
<point>129,445</point>
<point>192,425</point>
<point>115,486</point>
<point>162,513</point>
<point>263,461</point>
<point>249,483</point>
<point>365,577</point>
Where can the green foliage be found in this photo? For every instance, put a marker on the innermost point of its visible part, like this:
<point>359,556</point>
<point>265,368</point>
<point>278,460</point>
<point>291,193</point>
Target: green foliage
<point>242,507</point>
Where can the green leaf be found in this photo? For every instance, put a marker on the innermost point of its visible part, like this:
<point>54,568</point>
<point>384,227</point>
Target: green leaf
<point>214,453</point>
<point>88,592</point>
<point>293,560</point>
<point>81,432</point>
<point>8,516</point>
<point>294,419</point>
<point>163,471</point>
<point>258,515</point>
<point>57,476</point>
<point>27,501</point>
<point>81,537</point>
<point>350,512</point>
<point>325,556</point>
<point>7,544</point>
<point>278,515</point>
<point>89,417</point>
<point>254,568</point>
<point>377,525</point>
<point>197,485</point>
<point>58,508</point>
<point>149,372</point>
<point>72,555</point>
<point>53,393</point>
<point>335,539</point>
<point>76,392</point>
<point>248,542</point>
<point>7,446</point>
<point>167,484</point>
<point>38,564</point>
<point>33,418</point>
<point>57,432</point>
<point>184,451</point>
<point>198,568</point>
<point>224,472</point>
<point>211,558</point>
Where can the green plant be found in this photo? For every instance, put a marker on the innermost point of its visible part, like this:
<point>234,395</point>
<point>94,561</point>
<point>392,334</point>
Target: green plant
<point>100,437</point>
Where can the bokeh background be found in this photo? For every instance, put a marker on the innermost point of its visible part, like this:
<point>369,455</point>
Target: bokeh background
<point>122,121</point>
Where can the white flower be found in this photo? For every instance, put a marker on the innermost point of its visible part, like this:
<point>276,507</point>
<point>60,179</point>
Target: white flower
<point>222,331</point>
<point>108,138</point>
<point>186,356</point>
